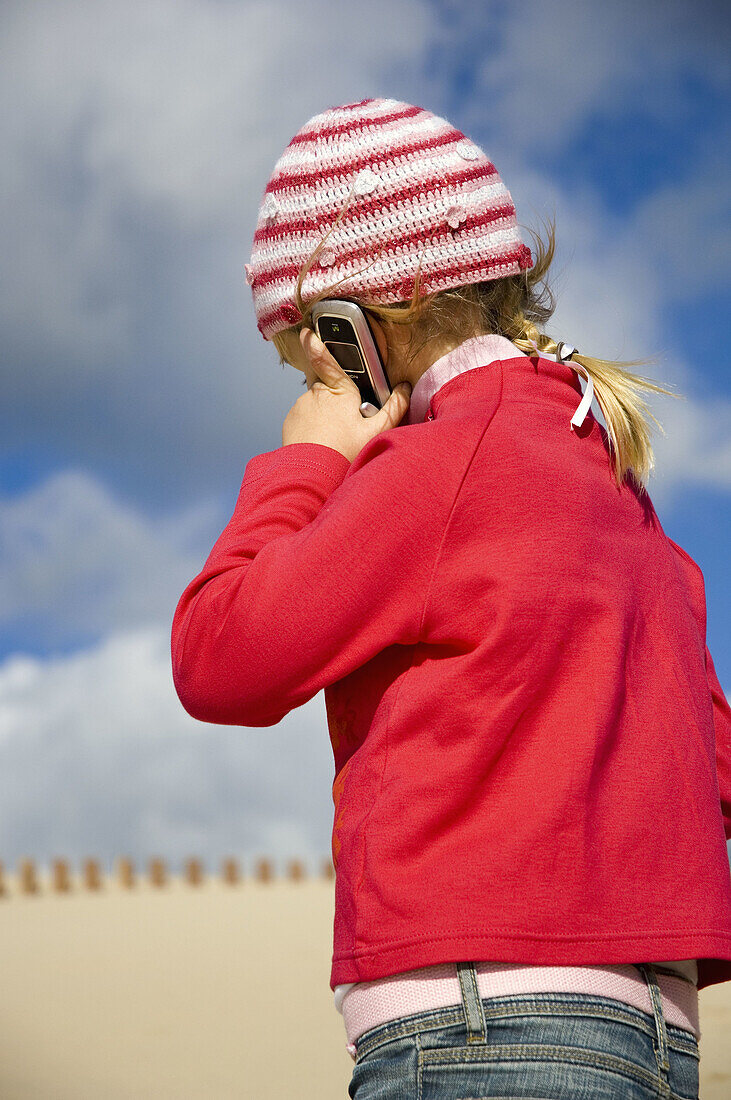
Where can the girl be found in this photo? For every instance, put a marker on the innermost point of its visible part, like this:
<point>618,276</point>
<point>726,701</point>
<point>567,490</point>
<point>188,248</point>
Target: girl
<point>532,750</point>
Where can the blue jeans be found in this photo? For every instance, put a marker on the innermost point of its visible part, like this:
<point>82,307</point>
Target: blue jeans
<point>548,1046</point>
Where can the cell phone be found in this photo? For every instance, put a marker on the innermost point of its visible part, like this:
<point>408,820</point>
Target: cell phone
<point>345,331</point>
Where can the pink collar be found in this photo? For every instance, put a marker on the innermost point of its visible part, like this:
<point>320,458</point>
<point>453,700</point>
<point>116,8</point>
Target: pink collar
<point>479,351</point>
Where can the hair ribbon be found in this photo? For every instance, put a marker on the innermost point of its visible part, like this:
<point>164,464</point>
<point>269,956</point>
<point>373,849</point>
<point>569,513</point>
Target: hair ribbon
<point>563,354</point>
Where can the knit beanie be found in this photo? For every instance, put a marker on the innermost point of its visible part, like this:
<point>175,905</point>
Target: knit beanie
<point>416,191</point>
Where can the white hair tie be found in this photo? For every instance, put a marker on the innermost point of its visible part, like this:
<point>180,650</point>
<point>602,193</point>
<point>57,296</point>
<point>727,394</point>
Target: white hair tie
<point>563,354</point>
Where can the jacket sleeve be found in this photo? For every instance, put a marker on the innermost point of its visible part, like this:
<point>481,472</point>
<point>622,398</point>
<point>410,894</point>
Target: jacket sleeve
<point>721,708</point>
<point>322,565</point>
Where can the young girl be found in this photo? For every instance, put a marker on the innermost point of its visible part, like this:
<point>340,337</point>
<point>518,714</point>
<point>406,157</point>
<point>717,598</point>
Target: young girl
<point>532,750</point>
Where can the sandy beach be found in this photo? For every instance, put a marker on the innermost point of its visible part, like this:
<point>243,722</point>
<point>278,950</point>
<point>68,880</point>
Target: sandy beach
<point>185,992</point>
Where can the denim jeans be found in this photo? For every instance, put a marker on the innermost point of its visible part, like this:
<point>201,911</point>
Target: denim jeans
<point>547,1046</point>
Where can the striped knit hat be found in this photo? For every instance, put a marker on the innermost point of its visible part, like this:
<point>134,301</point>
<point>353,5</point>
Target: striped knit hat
<point>416,189</point>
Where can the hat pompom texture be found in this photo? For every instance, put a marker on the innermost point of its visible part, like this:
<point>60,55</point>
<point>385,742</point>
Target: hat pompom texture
<point>419,189</point>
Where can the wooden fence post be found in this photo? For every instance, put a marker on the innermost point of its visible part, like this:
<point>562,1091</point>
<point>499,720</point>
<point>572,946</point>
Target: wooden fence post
<point>126,872</point>
<point>263,871</point>
<point>28,877</point>
<point>158,872</point>
<point>92,874</point>
<point>295,870</point>
<point>230,872</point>
<point>61,879</point>
<point>193,872</point>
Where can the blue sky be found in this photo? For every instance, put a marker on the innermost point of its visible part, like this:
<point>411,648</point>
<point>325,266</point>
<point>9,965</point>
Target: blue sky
<point>139,139</point>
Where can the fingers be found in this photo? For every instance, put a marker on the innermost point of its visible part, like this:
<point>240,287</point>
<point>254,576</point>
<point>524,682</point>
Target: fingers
<point>397,405</point>
<point>316,351</point>
<point>327,368</point>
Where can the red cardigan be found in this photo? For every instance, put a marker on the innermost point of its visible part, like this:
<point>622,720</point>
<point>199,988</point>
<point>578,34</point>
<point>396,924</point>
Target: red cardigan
<point>532,749</point>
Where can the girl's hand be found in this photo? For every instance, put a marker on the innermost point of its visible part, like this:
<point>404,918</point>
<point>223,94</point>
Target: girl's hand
<point>329,412</point>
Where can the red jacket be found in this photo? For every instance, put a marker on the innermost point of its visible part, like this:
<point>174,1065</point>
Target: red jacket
<point>532,749</point>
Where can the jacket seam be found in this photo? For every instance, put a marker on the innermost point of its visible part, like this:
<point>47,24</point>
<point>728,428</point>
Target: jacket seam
<point>686,555</point>
<point>363,827</point>
<point>302,465</point>
<point>478,444</point>
<point>509,933</point>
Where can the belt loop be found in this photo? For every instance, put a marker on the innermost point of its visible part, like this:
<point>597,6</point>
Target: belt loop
<point>474,1012</point>
<point>661,1047</point>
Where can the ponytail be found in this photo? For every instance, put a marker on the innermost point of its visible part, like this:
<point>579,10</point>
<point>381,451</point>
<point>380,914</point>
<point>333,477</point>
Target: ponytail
<point>617,391</point>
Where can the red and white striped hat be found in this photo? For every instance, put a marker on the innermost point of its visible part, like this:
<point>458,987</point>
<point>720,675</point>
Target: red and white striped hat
<point>416,189</point>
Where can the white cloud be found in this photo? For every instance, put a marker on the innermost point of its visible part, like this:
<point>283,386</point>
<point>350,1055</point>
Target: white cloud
<point>696,451</point>
<point>547,68</point>
<point>160,117</point>
<point>98,757</point>
<point>179,101</point>
<point>685,227</point>
<point>76,561</point>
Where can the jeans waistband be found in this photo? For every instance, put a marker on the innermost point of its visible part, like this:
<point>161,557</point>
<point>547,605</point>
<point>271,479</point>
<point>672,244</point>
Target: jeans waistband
<point>667,997</point>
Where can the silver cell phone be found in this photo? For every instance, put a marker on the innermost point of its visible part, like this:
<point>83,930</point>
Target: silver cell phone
<point>344,330</point>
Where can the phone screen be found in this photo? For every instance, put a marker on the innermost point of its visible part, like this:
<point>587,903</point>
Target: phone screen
<point>347,355</point>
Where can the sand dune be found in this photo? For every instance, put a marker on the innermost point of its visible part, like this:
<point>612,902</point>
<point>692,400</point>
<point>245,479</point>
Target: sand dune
<point>180,993</point>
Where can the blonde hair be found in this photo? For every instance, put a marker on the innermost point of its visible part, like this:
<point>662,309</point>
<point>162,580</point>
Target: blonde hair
<point>513,306</point>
